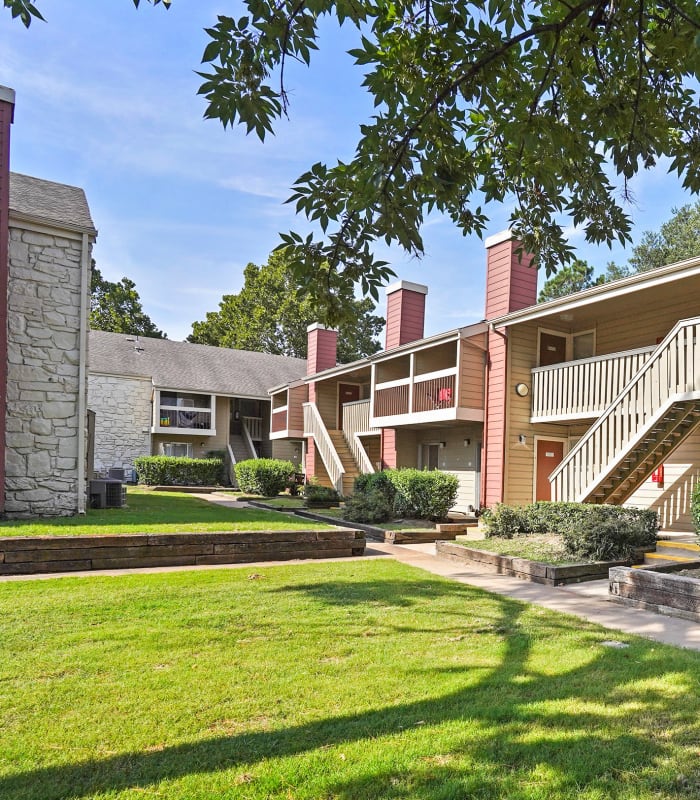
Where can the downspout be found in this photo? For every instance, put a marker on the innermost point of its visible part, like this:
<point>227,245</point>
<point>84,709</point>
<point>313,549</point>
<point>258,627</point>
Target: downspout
<point>82,370</point>
<point>484,436</point>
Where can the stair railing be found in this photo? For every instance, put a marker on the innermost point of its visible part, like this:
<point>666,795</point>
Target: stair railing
<point>231,464</point>
<point>356,422</point>
<point>671,374</point>
<point>314,426</point>
<point>247,438</point>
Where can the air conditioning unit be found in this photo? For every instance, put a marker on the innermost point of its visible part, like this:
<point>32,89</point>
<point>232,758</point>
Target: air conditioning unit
<point>105,493</point>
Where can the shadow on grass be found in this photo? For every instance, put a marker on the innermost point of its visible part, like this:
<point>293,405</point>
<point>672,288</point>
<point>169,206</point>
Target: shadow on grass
<point>503,705</point>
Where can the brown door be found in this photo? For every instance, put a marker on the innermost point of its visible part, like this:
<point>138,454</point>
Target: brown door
<point>552,349</point>
<point>549,456</point>
<point>347,393</point>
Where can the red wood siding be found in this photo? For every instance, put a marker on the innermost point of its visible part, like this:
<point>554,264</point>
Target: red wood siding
<point>405,317</point>
<point>493,457</point>
<point>511,284</point>
<point>6,110</point>
<point>321,352</point>
<point>388,446</point>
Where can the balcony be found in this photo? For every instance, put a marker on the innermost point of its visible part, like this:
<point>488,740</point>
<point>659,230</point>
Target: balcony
<point>430,397</point>
<point>178,420</point>
<point>583,389</point>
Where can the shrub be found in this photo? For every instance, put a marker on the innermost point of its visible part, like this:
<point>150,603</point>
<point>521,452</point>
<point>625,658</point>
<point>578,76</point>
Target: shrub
<point>695,507</point>
<point>589,532</point>
<point>421,494</point>
<point>376,482</point>
<point>317,496</point>
<point>175,471</point>
<point>264,476</point>
<point>368,507</point>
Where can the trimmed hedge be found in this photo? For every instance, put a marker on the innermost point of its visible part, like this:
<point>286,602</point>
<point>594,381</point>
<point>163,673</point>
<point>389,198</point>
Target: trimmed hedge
<point>695,507</point>
<point>368,507</point>
<point>588,531</point>
<point>264,476</point>
<point>178,471</point>
<point>421,494</point>
<point>318,496</point>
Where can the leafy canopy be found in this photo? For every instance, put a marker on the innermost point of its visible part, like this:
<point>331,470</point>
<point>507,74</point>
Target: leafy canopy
<point>548,106</point>
<point>116,307</point>
<point>269,315</point>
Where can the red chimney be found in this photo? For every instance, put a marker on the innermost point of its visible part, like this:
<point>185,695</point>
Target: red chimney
<point>7,109</point>
<point>405,313</point>
<point>322,348</point>
<point>511,283</point>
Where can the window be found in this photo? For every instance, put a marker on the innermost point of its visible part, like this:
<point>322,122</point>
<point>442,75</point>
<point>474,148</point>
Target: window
<point>185,400</point>
<point>178,449</point>
<point>430,454</point>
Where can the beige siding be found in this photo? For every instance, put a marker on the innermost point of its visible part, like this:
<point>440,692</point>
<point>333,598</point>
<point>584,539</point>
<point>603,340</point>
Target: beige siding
<point>681,475</point>
<point>372,445</point>
<point>327,403</point>
<point>288,450</point>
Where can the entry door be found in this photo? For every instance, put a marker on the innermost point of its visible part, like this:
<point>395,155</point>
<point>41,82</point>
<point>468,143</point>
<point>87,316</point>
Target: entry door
<point>430,456</point>
<point>552,349</point>
<point>549,456</point>
<point>347,393</point>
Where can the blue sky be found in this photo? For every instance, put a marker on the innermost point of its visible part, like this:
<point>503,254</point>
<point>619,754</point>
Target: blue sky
<point>106,100</point>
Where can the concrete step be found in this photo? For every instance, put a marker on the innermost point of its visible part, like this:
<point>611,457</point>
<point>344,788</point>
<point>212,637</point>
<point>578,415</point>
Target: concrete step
<point>684,550</point>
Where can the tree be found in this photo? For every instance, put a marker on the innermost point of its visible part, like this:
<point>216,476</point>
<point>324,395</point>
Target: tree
<point>677,239</point>
<point>573,277</point>
<point>270,315</point>
<point>116,307</point>
<point>549,106</point>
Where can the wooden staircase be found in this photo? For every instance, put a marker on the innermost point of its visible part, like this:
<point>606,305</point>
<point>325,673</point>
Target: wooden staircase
<point>665,435</point>
<point>348,460</point>
<point>672,552</point>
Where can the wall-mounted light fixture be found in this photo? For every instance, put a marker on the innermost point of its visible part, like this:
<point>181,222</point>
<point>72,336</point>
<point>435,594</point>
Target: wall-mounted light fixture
<point>442,444</point>
<point>522,389</point>
<point>467,442</point>
<point>522,439</point>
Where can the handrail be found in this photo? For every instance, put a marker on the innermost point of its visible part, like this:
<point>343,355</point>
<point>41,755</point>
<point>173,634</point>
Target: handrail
<point>232,464</point>
<point>248,439</point>
<point>594,359</point>
<point>314,426</point>
<point>673,370</point>
<point>356,421</point>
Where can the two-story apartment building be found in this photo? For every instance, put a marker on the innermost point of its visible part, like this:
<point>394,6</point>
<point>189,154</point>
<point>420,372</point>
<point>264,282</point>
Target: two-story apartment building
<point>594,396</point>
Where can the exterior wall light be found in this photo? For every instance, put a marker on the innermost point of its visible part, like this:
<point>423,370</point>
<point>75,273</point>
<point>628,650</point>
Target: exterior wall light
<point>522,389</point>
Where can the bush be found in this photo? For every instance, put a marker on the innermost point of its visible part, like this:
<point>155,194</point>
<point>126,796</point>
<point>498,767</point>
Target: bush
<point>368,507</point>
<point>421,494</point>
<point>264,476</point>
<point>376,482</point>
<point>695,507</point>
<point>589,532</point>
<point>317,496</point>
<point>174,471</point>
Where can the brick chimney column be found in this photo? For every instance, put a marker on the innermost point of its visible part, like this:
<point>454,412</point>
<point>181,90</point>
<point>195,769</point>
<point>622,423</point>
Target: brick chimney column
<point>511,284</point>
<point>321,353</point>
<point>405,313</point>
<point>7,108</point>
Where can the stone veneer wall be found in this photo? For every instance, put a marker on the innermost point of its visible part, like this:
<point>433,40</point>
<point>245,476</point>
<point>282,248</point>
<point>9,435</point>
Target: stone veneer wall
<point>43,372</point>
<point>122,407</point>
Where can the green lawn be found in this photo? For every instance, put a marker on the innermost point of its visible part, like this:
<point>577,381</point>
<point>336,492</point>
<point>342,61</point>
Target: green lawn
<point>159,512</point>
<point>356,681</point>
<point>536,547</point>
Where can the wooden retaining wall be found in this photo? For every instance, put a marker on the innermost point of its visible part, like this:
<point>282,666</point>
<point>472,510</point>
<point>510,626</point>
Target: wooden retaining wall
<point>657,589</point>
<point>27,555</point>
<point>534,571</point>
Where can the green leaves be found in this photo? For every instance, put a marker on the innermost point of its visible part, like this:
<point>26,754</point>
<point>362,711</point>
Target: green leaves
<point>23,9</point>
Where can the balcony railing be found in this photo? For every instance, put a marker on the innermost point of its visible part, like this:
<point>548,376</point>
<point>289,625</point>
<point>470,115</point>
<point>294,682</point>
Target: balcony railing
<point>254,426</point>
<point>585,388</point>
<point>184,418</point>
<point>432,391</point>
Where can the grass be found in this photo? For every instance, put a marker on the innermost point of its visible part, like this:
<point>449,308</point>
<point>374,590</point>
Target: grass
<point>346,681</point>
<point>536,547</point>
<point>283,502</point>
<point>159,512</point>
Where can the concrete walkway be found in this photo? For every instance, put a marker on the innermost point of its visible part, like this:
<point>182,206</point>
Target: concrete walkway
<point>586,600</point>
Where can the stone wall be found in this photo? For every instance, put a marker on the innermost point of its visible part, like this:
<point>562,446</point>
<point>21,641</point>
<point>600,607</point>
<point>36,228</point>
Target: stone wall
<point>42,459</point>
<point>122,407</point>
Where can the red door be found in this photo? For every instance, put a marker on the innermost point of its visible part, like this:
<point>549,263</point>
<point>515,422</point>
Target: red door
<point>549,456</point>
<point>347,393</point>
<point>552,349</point>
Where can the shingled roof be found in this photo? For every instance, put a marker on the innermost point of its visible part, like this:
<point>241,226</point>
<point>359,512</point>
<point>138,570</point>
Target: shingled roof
<point>46,201</point>
<point>191,367</point>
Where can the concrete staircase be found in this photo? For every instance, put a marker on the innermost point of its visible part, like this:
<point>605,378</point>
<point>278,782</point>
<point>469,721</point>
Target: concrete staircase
<point>240,448</point>
<point>672,552</point>
<point>347,459</point>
